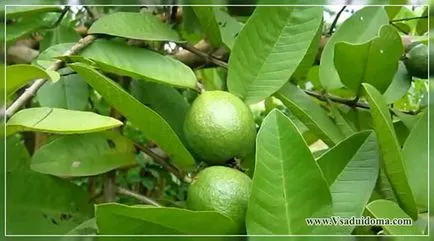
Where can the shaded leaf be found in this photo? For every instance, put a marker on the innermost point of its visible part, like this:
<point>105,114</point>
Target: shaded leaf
<point>143,26</point>
<point>48,56</point>
<point>271,46</point>
<point>54,209</point>
<point>87,227</point>
<point>61,34</point>
<point>415,155</point>
<point>390,150</point>
<point>310,113</point>
<point>152,125</point>
<point>280,201</point>
<point>59,121</point>
<point>388,209</point>
<point>84,155</point>
<point>374,62</point>
<point>23,28</point>
<point>399,86</point>
<point>344,126</point>
<point>351,169</point>
<point>19,11</point>
<point>229,27</point>
<point>16,154</point>
<point>113,218</point>
<point>360,27</point>
<point>70,92</point>
<point>139,63</point>
<point>208,23</point>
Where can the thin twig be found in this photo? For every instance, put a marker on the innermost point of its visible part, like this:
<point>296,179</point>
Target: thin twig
<point>208,57</point>
<point>337,99</point>
<point>62,15</point>
<point>406,19</point>
<point>144,199</point>
<point>335,21</point>
<point>89,12</point>
<point>399,28</point>
<point>31,91</point>
<point>162,161</point>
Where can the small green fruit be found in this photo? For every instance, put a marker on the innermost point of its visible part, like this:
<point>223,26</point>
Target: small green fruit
<point>417,61</point>
<point>218,127</point>
<point>222,189</point>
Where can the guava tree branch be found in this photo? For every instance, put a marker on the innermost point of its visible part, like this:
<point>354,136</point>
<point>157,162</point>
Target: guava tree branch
<point>31,91</point>
<point>335,21</point>
<point>351,103</point>
<point>207,57</point>
<point>144,199</point>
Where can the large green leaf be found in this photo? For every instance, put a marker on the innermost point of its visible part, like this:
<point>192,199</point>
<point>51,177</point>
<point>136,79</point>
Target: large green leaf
<point>208,23</point>
<point>152,125</point>
<point>144,26</point>
<point>269,48</point>
<point>19,75</point>
<point>393,163</point>
<point>360,27</point>
<point>139,63</point>
<point>19,11</point>
<point>42,204</point>
<point>84,155</point>
<point>70,92</point>
<point>374,62</point>
<point>351,169</point>
<point>282,187</point>
<point>390,210</point>
<point>415,154</point>
<point>310,113</point>
<point>165,100</point>
<point>120,219</point>
<point>399,86</point>
<point>59,121</point>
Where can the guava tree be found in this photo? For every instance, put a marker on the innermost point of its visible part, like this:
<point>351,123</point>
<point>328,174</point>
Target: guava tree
<point>216,120</point>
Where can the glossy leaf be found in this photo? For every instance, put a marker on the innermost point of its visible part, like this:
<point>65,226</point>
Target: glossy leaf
<point>139,63</point>
<point>351,169</point>
<point>390,150</point>
<point>388,209</point>
<point>374,62</point>
<point>399,86</point>
<point>280,201</point>
<point>19,75</point>
<point>42,204</point>
<point>310,113</point>
<point>269,48</point>
<point>59,121</point>
<point>165,100</point>
<point>143,26</point>
<point>70,92</point>
<point>19,11</point>
<point>84,155</point>
<point>360,27</point>
<point>120,219</point>
<point>415,154</point>
<point>208,23</point>
<point>153,126</point>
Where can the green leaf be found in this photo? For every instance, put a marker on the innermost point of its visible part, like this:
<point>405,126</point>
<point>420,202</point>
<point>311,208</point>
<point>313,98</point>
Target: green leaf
<point>208,23</point>
<point>310,113</point>
<point>70,92</point>
<point>390,210</point>
<point>16,154</point>
<point>212,78</point>
<point>351,169</point>
<point>344,126</point>
<point>282,187</point>
<point>269,48</point>
<point>139,63</point>
<point>360,27</point>
<point>18,75</point>
<point>48,56</point>
<point>399,86</point>
<point>42,204</point>
<point>61,34</point>
<point>23,28</point>
<point>415,155</point>
<point>374,62</point>
<point>88,227</point>
<point>229,27</point>
<point>152,125</point>
<point>59,121</point>
<point>393,163</point>
<point>118,219</point>
<point>19,11</point>
<point>165,100</point>
<point>143,26</point>
<point>84,155</point>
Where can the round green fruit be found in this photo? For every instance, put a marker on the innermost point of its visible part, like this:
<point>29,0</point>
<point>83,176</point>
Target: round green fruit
<point>222,189</point>
<point>417,61</point>
<point>218,127</point>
